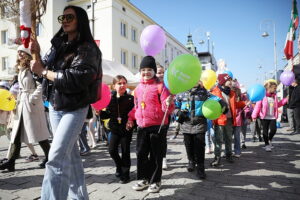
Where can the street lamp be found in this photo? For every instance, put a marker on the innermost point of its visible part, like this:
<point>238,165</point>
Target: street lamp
<point>266,34</point>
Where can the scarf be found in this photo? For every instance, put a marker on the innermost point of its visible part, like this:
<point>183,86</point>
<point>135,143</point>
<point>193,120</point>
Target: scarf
<point>270,94</point>
<point>225,89</point>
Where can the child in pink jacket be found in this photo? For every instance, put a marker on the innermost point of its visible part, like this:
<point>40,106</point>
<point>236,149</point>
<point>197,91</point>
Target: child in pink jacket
<point>152,99</point>
<point>267,110</point>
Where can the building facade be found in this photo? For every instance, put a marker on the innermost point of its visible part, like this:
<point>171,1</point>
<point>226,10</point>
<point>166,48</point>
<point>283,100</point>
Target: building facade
<point>116,24</point>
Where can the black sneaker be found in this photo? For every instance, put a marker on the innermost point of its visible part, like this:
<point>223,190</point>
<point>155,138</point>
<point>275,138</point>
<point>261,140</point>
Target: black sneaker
<point>42,165</point>
<point>191,166</point>
<point>229,159</point>
<point>201,174</point>
<point>124,180</point>
<point>216,162</point>
<point>244,146</point>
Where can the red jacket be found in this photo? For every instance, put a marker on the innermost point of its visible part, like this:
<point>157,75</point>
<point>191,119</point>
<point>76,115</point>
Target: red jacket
<point>222,120</point>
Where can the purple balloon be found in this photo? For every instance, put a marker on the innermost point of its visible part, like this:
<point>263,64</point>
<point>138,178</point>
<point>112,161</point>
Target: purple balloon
<point>152,40</point>
<point>287,78</point>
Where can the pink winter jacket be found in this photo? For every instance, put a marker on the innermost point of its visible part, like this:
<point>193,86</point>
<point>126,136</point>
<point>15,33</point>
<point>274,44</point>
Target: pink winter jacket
<point>262,106</point>
<point>152,94</point>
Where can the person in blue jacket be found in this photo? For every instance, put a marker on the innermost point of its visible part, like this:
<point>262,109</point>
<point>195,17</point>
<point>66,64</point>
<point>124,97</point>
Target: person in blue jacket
<point>194,125</point>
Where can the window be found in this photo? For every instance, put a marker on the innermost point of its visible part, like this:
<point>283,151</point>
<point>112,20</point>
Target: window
<point>124,29</point>
<point>4,63</point>
<point>133,34</point>
<point>134,61</point>
<point>4,37</point>
<point>123,57</point>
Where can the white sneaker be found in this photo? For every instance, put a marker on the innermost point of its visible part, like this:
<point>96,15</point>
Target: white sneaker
<point>153,188</point>
<point>140,185</point>
<point>237,155</point>
<point>164,164</point>
<point>212,148</point>
<point>271,144</point>
<point>268,148</point>
<point>207,150</point>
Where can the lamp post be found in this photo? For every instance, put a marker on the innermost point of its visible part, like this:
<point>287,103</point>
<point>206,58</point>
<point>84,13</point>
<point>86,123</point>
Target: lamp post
<point>266,34</point>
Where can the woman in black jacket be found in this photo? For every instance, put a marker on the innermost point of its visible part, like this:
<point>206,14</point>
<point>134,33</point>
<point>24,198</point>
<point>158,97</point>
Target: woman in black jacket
<point>71,74</point>
<point>117,111</point>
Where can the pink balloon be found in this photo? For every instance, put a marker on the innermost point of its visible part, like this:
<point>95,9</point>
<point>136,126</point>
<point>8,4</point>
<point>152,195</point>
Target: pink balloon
<point>105,98</point>
<point>152,40</point>
<point>287,78</point>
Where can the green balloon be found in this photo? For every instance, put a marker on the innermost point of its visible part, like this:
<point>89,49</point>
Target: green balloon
<point>183,73</point>
<point>211,109</point>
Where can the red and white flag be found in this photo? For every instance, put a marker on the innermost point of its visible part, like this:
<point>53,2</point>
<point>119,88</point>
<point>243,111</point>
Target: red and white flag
<point>288,47</point>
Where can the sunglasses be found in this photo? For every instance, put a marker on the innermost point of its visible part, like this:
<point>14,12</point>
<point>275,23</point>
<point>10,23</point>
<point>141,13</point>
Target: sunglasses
<point>68,17</point>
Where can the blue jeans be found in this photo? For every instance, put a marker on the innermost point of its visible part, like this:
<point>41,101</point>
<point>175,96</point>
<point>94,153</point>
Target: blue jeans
<point>83,144</point>
<point>64,170</point>
<point>237,140</point>
<point>209,134</point>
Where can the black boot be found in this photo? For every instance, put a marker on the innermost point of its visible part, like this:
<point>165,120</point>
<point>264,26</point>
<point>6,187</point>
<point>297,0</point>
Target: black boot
<point>229,158</point>
<point>42,165</point>
<point>9,165</point>
<point>216,162</point>
<point>200,172</point>
<point>191,166</point>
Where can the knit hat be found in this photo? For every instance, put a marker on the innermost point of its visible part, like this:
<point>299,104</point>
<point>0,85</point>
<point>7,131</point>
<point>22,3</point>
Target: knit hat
<point>148,62</point>
<point>22,48</point>
<point>222,78</point>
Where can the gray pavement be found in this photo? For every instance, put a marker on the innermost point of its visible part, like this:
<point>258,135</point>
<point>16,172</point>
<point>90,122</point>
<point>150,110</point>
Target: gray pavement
<point>257,174</point>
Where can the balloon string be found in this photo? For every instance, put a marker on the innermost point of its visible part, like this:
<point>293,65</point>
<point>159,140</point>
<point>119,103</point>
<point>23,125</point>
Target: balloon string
<point>163,120</point>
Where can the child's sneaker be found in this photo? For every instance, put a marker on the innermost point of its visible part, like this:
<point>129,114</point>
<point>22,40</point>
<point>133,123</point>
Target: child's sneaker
<point>165,164</point>
<point>140,185</point>
<point>153,188</point>
<point>32,158</point>
<point>268,148</point>
<point>207,150</point>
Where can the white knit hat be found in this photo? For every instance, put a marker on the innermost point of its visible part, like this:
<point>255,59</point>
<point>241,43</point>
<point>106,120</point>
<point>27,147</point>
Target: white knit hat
<point>22,48</point>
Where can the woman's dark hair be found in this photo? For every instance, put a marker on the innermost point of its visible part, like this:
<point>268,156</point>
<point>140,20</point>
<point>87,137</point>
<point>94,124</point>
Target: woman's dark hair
<point>118,78</point>
<point>83,27</point>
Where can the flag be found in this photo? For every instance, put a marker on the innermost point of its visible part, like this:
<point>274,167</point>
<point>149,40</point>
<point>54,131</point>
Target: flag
<point>288,47</point>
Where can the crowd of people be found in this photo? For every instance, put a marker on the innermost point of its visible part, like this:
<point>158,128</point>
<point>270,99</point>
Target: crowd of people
<point>68,78</point>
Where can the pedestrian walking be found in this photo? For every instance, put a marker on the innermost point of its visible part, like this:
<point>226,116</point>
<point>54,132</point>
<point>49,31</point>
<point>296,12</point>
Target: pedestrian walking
<point>149,110</point>
<point>71,74</point>
<point>194,126</point>
<point>294,102</point>
<point>120,105</point>
<point>224,124</point>
<point>267,110</point>
<point>29,124</point>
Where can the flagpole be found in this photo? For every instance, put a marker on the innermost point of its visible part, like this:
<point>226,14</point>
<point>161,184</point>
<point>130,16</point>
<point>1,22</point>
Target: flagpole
<point>275,53</point>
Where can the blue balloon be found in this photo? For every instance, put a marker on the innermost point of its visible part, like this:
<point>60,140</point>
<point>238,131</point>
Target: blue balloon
<point>256,93</point>
<point>229,73</point>
<point>166,79</point>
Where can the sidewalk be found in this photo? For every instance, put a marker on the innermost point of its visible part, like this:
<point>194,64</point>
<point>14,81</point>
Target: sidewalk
<point>257,174</point>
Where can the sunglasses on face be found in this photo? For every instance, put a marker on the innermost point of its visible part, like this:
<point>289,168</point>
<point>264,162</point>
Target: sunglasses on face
<point>67,17</point>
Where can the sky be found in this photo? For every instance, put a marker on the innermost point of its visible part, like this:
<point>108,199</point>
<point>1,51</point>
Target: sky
<point>235,28</point>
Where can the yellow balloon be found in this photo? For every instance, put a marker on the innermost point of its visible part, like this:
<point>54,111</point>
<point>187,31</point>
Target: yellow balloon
<point>208,78</point>
<point>7,100</point>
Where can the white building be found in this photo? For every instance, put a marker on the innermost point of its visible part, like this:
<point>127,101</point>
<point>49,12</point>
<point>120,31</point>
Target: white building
<point>118,25</point>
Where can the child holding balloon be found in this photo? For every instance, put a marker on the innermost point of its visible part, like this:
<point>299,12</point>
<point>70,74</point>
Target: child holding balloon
<point>267,110</point>
<point>192,117</point>
<point>150,110</point>
<point>224,124</point>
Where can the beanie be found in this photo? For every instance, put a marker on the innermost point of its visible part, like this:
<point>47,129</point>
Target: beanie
<point>222,78</point>
<point>22,48</point>
<point>148,62</point>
